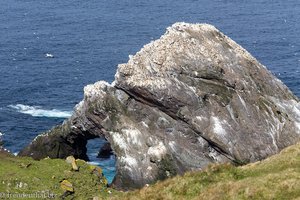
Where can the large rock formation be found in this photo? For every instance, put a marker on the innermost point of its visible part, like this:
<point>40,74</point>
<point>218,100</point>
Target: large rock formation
<point>191,98</point>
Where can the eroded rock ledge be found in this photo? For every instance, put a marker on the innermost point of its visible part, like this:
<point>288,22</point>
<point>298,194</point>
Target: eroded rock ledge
<point>190,98</point>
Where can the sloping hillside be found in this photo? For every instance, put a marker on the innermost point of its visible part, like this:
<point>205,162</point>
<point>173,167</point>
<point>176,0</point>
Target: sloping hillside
<point>277,177</point>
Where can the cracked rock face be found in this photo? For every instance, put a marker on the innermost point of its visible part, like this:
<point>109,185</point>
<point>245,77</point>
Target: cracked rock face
<point>191,98</point>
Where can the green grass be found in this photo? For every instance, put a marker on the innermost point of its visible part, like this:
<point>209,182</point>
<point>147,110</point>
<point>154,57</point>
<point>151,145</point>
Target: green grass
<point>27,176</point>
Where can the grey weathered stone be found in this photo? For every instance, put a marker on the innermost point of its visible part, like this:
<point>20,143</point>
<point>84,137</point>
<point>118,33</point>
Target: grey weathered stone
<point>105,151</point>
<point>190,98</point>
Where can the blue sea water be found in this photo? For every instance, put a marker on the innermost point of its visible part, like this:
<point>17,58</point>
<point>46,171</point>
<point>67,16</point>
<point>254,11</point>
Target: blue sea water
<point>49,50</point>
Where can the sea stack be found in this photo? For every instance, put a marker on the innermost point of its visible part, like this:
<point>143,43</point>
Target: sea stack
<point>191,98</point>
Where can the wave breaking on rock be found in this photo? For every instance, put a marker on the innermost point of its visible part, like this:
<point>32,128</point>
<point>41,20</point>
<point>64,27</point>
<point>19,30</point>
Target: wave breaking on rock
<point>37,111</point>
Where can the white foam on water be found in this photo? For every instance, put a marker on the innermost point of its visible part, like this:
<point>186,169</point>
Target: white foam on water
<point>94,163</point>
<point>49,55</point>
<point>37,111</point>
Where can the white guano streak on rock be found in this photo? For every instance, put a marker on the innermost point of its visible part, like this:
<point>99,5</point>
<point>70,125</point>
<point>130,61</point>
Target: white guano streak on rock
<point>157,151</point>
<point>202,141</point>
<point>200,118</point>
<point>129,162</point>
<point>119,140</point>
<point>214,154</point>
<point>292,107</point>
<point>79,107</point>
<point>275,126</point>
<point>273,132</point>
<point>243,103</point>
<point>132,136</point>
<point>172,145</point>
<point>298,126</point>
<point>193,89</point>
<point>95,90</point>
<point>230,111</point>
<point>144,124</point>
<point>41,135</point>
<point>218,128</point>
<point>296,110</point>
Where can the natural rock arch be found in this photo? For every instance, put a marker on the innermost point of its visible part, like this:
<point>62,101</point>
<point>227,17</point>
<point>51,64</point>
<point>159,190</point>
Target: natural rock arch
<point>191,98</point>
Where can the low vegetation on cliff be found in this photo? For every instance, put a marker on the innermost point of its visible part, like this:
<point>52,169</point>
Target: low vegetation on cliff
<point>26,178</point>
<point>277,177</point>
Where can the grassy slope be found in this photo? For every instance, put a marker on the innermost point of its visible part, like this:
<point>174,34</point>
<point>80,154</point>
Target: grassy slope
<point>277,177</point>
<point>24,175</point>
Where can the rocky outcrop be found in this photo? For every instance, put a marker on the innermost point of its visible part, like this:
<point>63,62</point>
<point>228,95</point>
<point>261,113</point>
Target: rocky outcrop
<point>1,143</point>
<point>2,149</point>
<point>105,151</point>
<point>191,98</point>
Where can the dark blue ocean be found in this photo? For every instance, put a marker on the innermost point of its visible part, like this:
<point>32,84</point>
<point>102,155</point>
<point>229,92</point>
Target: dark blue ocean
<point>49,50</point>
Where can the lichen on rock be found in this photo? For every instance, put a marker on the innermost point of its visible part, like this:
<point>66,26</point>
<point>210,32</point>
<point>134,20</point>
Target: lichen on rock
<point>191,98</point>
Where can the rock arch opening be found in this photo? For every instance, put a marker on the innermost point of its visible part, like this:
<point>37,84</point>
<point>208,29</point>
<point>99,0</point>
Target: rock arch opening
<point>99,153</point>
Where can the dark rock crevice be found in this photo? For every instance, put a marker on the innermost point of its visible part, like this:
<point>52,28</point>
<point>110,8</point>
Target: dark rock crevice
<point>175,116</point>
